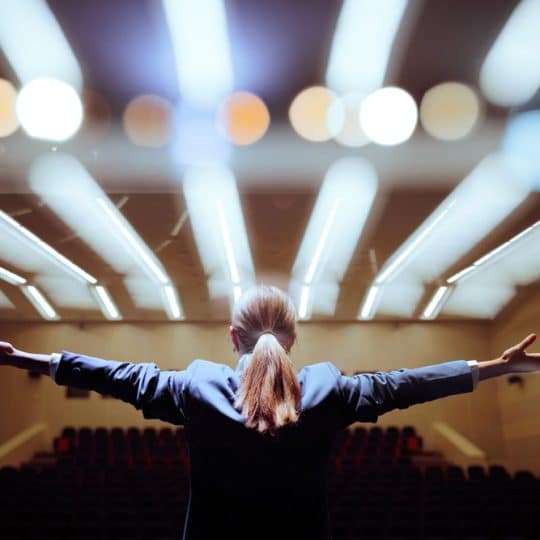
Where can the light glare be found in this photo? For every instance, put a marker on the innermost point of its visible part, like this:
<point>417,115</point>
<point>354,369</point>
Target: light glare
<point>388,116</point>
<point>362,43</point>
<point>201,47</point>
<point>510,74</point>
<point>49,109</point>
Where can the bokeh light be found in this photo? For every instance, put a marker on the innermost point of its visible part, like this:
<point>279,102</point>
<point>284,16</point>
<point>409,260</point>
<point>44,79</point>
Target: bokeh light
<point>388,116</point>
<point>449,111</point>
<point>309,113</point>
<point>344,121</point>
<point>147,121</point>
<point>8,118</point>
<point>243,118</point>
<point>49,109</point>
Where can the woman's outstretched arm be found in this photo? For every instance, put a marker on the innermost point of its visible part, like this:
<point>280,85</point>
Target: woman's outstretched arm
<point>10,356</point>
<point>158,393</point>
<point>366,396</point>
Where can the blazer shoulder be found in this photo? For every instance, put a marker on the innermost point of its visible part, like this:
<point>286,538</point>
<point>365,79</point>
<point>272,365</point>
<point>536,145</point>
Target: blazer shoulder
<point>320,381</point>
<point>201,368</point>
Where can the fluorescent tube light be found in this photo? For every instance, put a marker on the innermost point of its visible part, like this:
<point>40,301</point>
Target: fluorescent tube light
<point>217,221</point>
<point>10,277</point>
<point>40,302</point>
<point>106,303</point>
<point>362,44</point>
<point>368,307</point>
<point>450,232</point>
<point>510,74</point>
<point>172,304</point>
<point>435,304</point>
<point>321,244</point>
<point>334,228</point>
<point>233,269</point>
<point>201,48</point>
<point>145,256</point>
<point>304,299</point>
<point>34,43</point>
<point>47,249</point>
<point>499,251</point>
<point>408,249</point>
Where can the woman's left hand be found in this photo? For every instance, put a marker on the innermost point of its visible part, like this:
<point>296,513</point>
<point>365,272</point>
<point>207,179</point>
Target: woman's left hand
<point>6,349</point>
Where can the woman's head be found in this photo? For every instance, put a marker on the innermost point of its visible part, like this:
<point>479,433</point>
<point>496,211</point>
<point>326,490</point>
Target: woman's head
<point>263,309</point>
<point>263,323</point>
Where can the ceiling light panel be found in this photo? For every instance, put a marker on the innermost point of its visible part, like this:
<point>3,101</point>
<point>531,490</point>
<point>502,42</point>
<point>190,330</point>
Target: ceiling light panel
<point>201,48</point>
<point>489,194</point>
<point>76,198</point>
<point>362,43</point>
<point>335,225</point>
<point>34,43</point>
<point>218,225</point>
<point>492,281</point>
<point>510,74</point>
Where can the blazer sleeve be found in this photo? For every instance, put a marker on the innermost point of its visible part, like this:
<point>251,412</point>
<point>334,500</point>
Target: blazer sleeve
<point>157,393</point>
<point>366,396</point>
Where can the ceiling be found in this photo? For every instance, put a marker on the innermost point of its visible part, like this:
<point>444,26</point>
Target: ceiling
<point>278,49</point>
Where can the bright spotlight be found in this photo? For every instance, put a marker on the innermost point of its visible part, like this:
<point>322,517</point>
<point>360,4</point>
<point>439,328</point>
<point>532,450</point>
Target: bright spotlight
<point>49,109</point>
<point>388,116</point>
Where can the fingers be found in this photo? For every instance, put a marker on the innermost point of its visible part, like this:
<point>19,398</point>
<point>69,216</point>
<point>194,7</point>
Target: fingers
<point>6,348</point>
<point>529,340</point>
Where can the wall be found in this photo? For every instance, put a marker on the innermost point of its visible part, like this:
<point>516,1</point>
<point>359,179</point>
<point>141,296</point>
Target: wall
<point>351,346</point>
<point>519,405</point>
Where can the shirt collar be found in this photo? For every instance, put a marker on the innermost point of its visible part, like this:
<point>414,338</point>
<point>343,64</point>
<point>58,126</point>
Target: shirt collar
<point>243,362</point>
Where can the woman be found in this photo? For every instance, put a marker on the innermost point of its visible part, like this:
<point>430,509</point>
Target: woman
<point>259,436</point>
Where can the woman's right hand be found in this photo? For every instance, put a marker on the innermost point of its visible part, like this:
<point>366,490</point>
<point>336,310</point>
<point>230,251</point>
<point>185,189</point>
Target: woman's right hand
<point>520,361</point>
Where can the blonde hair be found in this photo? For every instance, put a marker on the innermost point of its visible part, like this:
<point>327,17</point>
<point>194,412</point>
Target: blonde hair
<point>269,394</point>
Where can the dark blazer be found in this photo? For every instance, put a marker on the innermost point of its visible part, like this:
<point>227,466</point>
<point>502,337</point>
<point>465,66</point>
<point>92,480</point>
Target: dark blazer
<point>245,485</point>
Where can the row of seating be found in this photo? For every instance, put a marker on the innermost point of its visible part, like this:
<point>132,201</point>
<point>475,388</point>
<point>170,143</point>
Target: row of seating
<point>149,447</point>
<point>397,500</point>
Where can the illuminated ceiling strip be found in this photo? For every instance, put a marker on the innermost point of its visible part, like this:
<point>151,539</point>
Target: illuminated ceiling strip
<point>510,74</point>
<point>144,254</point>
<point>59,179</point>
<point>237,292</point>
<point>436,303</point>
<point>48,250</point>
<point>34,43</point>
<point>40,302</point>
<point>174,310</point>
<point>498,181</point>
<point>215,212</point>
<point>201,49</point>
<point>335,225</point>
<point>368,307</point>
<point>365,33</point>
<point>231,261</point>
<point>106,303</point>
<point>304,299</point>
<point>401,255</point>
<point>492,255</point>
<point>10,277</point>
<point>321,244</point>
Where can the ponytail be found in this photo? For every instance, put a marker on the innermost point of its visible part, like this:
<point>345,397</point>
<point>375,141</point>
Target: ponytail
<point>269,393</point>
